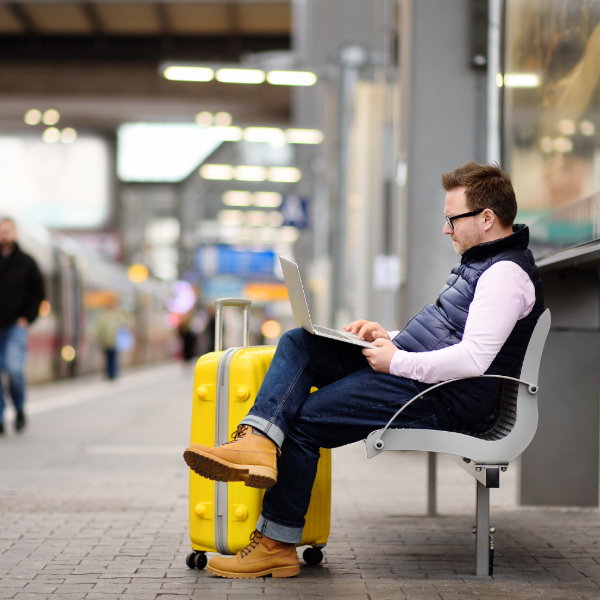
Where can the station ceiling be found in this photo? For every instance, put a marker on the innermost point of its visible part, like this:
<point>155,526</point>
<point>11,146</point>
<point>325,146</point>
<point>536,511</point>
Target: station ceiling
<point>97,61</point>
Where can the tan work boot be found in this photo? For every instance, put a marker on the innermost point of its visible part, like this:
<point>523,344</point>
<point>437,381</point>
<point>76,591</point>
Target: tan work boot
<point>263,556</point>
<point>250,457</point>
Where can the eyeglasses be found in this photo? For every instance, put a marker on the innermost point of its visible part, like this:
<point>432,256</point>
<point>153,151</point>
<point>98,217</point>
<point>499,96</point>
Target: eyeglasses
<point>467,214</point>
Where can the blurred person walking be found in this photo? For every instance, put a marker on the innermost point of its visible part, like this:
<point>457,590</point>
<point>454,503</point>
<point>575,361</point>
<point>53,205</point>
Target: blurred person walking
<point>21,293</point>
<point>110,324</point>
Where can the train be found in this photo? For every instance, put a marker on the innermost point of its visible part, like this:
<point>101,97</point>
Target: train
<point>62,341</point>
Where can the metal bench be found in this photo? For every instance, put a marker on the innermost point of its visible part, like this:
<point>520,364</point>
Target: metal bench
<point>482,455</point>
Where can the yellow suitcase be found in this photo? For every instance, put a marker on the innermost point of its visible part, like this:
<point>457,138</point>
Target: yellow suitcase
<point>223,515</point>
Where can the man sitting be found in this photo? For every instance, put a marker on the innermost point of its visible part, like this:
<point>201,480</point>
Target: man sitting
<point>480,323</point>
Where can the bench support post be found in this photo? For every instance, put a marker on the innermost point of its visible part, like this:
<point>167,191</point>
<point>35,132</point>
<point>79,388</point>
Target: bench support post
<point>482,533</point>
<point>431,484</point>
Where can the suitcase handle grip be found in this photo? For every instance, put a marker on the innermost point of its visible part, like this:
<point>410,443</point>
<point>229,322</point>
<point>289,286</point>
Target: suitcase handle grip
<point>219,305</point>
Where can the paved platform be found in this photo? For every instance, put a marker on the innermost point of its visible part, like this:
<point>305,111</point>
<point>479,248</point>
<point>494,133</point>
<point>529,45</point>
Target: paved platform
<point>93,505</point>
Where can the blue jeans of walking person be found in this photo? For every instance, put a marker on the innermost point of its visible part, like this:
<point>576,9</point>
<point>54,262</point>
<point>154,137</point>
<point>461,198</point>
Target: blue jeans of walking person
<point>13,352</point>
<point>352,400</point>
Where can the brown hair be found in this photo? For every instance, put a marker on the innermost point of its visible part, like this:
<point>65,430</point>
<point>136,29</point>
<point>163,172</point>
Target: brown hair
<point>486,186</point>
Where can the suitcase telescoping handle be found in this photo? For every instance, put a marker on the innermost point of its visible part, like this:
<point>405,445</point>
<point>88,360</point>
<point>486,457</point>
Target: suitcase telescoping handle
<point>219,305</point>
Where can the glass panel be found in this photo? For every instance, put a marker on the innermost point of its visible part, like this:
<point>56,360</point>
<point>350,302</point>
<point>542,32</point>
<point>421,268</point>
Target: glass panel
<point>552,118</point>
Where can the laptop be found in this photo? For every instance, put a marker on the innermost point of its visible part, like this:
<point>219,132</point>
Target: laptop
<point>293,283</point>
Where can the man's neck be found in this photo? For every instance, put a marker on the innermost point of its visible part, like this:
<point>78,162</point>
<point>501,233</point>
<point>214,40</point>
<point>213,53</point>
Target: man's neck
<point>7,249</point>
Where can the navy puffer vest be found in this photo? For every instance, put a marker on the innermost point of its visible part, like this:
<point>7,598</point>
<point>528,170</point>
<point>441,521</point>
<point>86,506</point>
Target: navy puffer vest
<point>442,324</point>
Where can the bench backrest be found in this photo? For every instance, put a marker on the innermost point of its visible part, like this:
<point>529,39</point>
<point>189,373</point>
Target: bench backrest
<point>507,439</point>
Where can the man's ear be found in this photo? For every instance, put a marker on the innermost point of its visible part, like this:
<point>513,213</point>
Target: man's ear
<point>489,218</point>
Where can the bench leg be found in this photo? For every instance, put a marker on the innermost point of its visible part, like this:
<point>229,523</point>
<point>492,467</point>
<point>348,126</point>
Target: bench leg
<point>431,484</point>
<point>482,533</point>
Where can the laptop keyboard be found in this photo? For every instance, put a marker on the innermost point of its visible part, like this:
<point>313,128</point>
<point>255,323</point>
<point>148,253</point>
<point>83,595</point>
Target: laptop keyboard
<point>334,333</point>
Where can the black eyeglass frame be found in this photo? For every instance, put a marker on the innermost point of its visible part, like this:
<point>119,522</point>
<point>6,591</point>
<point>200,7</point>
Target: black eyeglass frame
<point>467,214</point>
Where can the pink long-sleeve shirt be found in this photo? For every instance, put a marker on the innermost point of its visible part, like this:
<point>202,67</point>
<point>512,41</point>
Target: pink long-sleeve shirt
<point>504,295</point>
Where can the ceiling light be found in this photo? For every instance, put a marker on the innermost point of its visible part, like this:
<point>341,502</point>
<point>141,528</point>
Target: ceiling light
<point>240,76</point>
<point>51,135</point>
<point>248,173</point>
<point>68,135</point>
<point>275,219</point>
<point>566,126</point>
<point>221,172</point>
<point>188,73</point>
<point>267,199</point>
<point>223,119</point>
<point>271,135</point>
<point>587,128</point>
<point>304,136</point>
<point>255,218</point>
<point>237,198</point>
<point>284,174</point>
<point>291,78</point>
<point>204,118</point>
<point>33,116</point>
<point>227,134</point>
<point>231,217</point>
<point>51,117</point>
<point>521,80</point>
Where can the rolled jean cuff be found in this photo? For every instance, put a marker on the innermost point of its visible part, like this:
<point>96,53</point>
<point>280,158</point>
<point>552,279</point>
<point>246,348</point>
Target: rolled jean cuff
<point>269,429</point>
<point>281,533</point>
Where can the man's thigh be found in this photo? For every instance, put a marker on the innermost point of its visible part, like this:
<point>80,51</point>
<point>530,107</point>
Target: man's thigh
<point>15,348</point>
<point>349,409</point>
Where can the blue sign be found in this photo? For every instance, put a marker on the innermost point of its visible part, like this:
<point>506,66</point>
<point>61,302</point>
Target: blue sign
<point>220,259</point>
<point>295,212</point>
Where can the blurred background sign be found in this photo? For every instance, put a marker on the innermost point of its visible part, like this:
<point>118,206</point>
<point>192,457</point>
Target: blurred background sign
<point>227,260</point>
<point>295,212</point>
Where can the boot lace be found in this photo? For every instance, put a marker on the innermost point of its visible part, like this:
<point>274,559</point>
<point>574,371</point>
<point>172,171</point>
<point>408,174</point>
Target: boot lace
<point>238,434</point>
<point>255,538</point>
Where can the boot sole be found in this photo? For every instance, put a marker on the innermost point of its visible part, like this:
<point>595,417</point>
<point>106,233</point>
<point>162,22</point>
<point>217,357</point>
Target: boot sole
<point>216,469</point>
<point>276,572</point>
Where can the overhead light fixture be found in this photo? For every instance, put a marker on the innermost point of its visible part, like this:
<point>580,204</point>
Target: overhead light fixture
<point>302,78</point>
<point>220,172</point>
<point>231,217</point>
<point>223,119</point>
<point>267,199</point>
<point>240,76</point>
<point>33,116</point>
<point>256,218</point>
<point>519,80</point>
<point>250,173</point>
<point>271,135</point>
<point>227,134</point>
<point>284,174</point>
<point>51,117</point>
<point>68,135</point>
<point>175,73</point>
<point>237,198</point>
<point>304,136</point>
<point>51,135</point>
<point>204,118</point>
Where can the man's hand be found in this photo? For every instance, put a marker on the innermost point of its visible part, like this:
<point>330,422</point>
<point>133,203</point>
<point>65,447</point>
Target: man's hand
<point>380,357</point>
<point>367,330</point>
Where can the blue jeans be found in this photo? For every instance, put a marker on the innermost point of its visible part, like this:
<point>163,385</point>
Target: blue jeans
<point>13,351</point>
<point>110,362</point>
<point>352,400</point>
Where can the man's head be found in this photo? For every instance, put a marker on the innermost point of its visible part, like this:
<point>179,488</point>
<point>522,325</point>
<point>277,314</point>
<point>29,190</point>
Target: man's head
<point>8,233</point>
<point>484,199</point>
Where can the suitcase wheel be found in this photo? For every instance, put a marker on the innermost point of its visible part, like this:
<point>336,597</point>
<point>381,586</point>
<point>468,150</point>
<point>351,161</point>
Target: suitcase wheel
<point>313,556</point>
<point>196,560</point>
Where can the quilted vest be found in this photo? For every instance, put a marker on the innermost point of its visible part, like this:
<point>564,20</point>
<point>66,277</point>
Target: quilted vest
<point>442,324</point>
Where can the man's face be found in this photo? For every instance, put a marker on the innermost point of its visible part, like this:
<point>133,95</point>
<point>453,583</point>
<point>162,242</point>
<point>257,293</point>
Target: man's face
<point>8,233</point>
<point>467,232</point>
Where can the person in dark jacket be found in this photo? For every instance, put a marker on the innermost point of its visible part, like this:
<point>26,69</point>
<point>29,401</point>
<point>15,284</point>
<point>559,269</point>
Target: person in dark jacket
<point>480,323</point>
<point>21,292</point>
